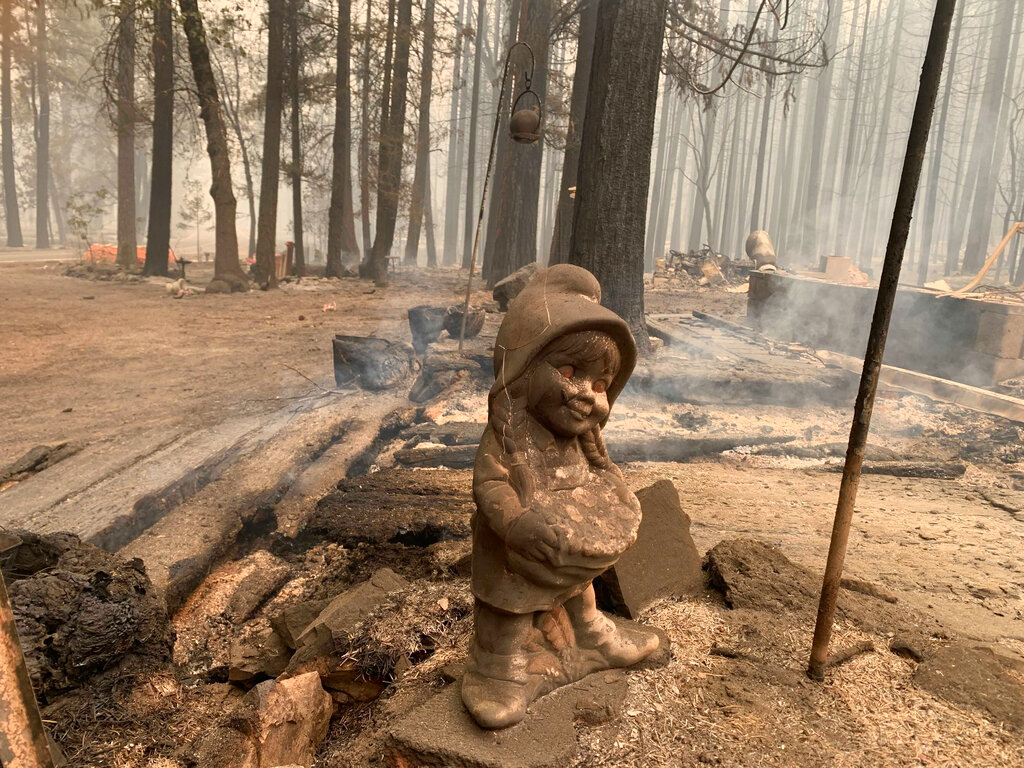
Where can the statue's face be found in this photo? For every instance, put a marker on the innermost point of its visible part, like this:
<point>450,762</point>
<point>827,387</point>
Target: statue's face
<point>568,391</point>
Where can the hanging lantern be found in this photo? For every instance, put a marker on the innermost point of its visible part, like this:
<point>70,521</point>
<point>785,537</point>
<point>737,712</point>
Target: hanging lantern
<point>524,124</point>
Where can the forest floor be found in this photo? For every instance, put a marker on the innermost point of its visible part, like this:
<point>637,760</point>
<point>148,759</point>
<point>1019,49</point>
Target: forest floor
<point>95,361</point>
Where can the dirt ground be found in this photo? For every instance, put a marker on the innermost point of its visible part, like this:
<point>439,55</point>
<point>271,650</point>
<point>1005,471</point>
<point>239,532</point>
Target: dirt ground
<point>86,361</point>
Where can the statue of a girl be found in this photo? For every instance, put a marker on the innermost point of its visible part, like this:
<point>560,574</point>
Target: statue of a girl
<point>553,511</point>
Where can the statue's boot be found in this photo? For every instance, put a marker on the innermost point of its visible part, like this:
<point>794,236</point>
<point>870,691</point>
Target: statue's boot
<point>621,645</point>
<point>497,688</point>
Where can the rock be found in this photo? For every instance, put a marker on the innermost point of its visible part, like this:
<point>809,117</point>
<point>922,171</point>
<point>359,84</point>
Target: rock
<point>265,576</point>
<point>80,610</point>
<point>290,622</point>
<point>663,562</point>
<point>252,660</point>
<point>599,697</point>
<point>975,677</point>
<point>509,287</point>
<point>752,574</point>
<point>453,321</point>
<point>441,732</point>
<point>426,324</point>
<point>347,684</point>
<point>278,723</point>
<point>371,362</point>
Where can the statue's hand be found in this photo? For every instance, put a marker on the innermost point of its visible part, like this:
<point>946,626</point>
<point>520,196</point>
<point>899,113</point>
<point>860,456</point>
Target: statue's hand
<point>533,536</point>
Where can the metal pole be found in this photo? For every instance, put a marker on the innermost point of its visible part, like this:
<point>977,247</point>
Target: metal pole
<point>917,142</point>
<point>487,178</point>
<point>22,738</point>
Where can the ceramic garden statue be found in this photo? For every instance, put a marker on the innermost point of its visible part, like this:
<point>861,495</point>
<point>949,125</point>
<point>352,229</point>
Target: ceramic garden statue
<point>553,511</point>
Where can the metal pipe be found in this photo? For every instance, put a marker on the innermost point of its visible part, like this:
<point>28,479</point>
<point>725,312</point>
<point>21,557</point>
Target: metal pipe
<point>917,142</point>
<point>487,177</point>
<point>22,738</point>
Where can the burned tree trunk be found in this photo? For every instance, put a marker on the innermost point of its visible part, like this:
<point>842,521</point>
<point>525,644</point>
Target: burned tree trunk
<point>561,238</point>
<point>294,64</point>
<point>126,239</point>
<point>421,179</point>
<point>43,133</point>
<point>364,139</point>
<point>158,240</point>
<point>615,155</point>
<point>389,177</point>
<point>227,275</point>
<point>474,115</point>
<point>341,224</point>
<point>455,141</point>
<point>512,231</point>
<point>14,238</point>
<point>266,237</point>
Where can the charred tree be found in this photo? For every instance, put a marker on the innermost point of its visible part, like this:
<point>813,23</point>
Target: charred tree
<point>474,116</point>
<point>364,138</point>
<point>232,91</point>
<point>341,223</point>
<point>266,235</point>
<point>294,65</point>
<point>512,231</point>
<point>158,239</point>
<point>227,274</point>
<point>42,132</point>
<point>421,178</point>
<point>13,215</point>
<point>126,237</point>
<point>561,238</point>
<point>615,155</point>
<point>456,140</point>
<point>389,164</point>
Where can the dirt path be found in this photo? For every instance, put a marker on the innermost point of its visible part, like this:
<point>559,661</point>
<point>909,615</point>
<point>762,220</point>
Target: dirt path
<point>85,360</point>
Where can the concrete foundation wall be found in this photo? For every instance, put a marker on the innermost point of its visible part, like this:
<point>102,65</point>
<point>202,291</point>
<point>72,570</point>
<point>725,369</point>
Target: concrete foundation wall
<point>969,340</point>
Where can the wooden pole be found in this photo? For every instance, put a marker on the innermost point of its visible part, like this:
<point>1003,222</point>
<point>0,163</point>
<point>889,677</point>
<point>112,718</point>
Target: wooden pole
<point>22,738</point>
<point>917,142</point>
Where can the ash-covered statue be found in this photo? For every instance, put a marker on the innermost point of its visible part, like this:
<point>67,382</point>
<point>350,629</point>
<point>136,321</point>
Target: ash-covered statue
<point>553,511</point>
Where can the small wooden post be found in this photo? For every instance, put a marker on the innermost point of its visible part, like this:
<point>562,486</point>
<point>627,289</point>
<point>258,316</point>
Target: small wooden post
<point>917,142</point>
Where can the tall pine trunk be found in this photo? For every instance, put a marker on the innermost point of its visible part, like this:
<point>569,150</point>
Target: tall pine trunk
<point>561,238</point>
<point>389,164</point>
<point>341,223</point>
<point>421,179</point>
<point>126,238</point>
<point>455,142</point>
<point>474,116</point>
<point>13,215</point>
<point>158,239</point>
<point>227,274</point>
<point>43,133</point>
<point>266,235</point>
<point>516,202</point>
<point>615,156</point>
<point>364,138</point>
<point>294,65</point>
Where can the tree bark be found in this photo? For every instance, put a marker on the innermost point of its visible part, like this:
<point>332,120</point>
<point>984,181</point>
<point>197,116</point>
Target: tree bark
<point>561,238</point>
<point>13,215</point>
<point>364,138</point>
<point>341,223</point>
<point>455,142</point>
<point>126,237</point>
<point>227,275</point>
<point>615,155</point>
<point>421,178</point>
<point>266,236</point>
<point>43,132</point>
<point>516,202</point>
<point>474,116</point>
<point>389,166</point>
<point>294,64</point>
<point>158,239</point>
<point>231,107</point>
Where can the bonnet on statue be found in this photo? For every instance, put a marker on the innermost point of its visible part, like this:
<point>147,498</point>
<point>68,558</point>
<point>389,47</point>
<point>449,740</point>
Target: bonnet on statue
<point>559,300</point>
